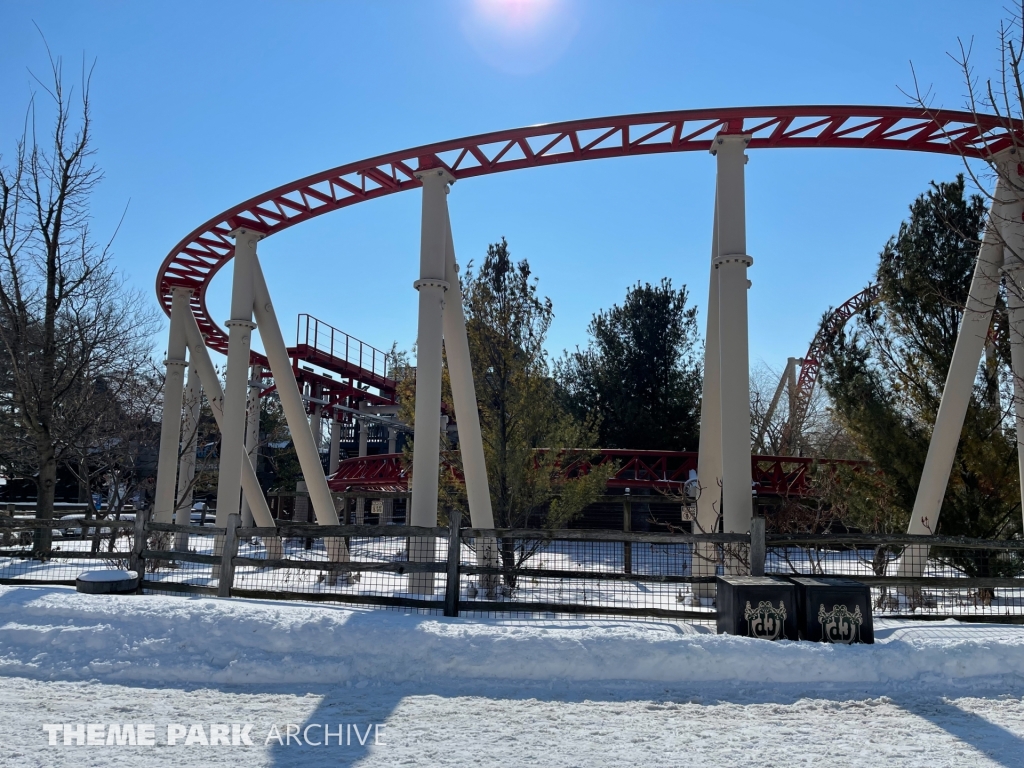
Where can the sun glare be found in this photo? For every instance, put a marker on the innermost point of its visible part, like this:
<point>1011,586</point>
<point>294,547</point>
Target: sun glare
<point>520,36</point>
<point>515,14</point>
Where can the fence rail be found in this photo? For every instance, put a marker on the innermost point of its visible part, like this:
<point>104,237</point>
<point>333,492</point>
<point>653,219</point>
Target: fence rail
<point>477,572</point>
<point>77,544</point>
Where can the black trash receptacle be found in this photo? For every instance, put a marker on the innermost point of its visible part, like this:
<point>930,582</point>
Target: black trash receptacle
<point>834,610</point>
<point>763,607</point>
<point>111,581</point>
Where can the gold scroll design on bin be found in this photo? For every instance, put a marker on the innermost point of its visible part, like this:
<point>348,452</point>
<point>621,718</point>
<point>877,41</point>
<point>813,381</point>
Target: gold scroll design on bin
<point>766,621</point>
<point>839,625</point>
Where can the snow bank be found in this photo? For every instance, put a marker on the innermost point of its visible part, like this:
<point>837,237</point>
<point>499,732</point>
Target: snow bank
<point>55,633</point>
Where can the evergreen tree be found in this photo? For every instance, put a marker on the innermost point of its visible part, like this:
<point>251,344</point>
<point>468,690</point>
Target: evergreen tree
<point>641,372</point>
<point>886,377</point>
<point>530,440</point>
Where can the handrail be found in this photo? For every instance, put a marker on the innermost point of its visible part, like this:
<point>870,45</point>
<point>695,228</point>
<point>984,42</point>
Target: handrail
<point>341,346</point>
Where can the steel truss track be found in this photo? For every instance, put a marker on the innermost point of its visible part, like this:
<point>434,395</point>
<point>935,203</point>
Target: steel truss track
<point>833,322</point>
<point>196,259</point>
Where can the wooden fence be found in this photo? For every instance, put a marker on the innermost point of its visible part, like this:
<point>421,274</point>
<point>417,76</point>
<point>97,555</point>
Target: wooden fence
<point>529,572</point>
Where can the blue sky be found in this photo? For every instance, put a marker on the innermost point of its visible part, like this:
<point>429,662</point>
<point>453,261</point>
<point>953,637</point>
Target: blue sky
<point>201,105</point>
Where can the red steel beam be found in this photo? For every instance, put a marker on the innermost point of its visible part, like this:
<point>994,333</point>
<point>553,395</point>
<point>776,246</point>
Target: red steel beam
<point>203,252</point>
<point>830,327</point>
<point>665,471</point>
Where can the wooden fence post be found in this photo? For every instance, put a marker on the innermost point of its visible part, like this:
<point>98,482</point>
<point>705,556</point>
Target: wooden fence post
<point>136,561</point>
<point>757,546</point>
<point>8,513</point>
<point>451,589</point>
<point>627,526</point>
<point>227,558</point>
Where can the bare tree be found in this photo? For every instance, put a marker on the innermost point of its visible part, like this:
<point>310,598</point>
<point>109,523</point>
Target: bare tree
<point>820,433</point>
<point>113,451</point>
<point>997,108</point>
<point>67,318</point>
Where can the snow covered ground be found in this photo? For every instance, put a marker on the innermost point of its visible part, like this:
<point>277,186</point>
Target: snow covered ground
<point>458,692</point>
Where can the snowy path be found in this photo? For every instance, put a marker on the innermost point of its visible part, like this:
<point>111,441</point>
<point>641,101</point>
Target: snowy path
<point>456,693</point>
<point>559,726</point>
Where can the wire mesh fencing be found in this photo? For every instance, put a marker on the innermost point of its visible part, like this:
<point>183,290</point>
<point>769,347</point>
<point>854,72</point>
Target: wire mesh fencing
<point>384,566</point>
<point>77,543</point>
<point>914,576</point>
<point>181,559</point>
<point>514,573</point>
<point>589,573</point>
<point>387,566</point>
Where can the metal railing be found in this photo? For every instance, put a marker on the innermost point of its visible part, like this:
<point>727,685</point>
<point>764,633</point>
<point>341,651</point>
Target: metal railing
<point>341,346</point>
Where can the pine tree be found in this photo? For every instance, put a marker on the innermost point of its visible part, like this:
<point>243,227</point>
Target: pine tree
<point>886,377</point>
<point>640,372</point>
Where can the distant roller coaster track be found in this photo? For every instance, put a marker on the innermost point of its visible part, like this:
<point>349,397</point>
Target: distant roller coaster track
<point>831,325</point>
<point>195,260</point>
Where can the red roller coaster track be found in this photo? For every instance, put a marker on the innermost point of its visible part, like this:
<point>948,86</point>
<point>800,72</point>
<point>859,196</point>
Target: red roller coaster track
<point>831,324</point>
<point>665,471</point>
<point>196,259</point>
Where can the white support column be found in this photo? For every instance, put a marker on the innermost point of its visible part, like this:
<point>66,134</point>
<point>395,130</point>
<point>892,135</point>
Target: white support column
<point>1010,219</point>
<point>709,457</point>
<point>963,370</point>
<point>732,263</point>
<point>295,416</point>
<point>291,402</point>
<point>956,394</point>
<point>432,287</point>
<point>392,440</point>
<point>170,425</point>
<point>427,448</point>
<point>467,416</point>
<point>189,447</point>
<point>215,396</point>
<point>335,455</point>
<point>252,434</point>
<point>240,328</point>
<point>460,372</point>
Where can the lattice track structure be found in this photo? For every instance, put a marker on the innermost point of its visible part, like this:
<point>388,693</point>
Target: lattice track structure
<point>195,260</point>
<point>661,471</point>
<point>831,325</point>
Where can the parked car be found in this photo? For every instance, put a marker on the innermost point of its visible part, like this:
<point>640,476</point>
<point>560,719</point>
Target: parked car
<point>70,526</point>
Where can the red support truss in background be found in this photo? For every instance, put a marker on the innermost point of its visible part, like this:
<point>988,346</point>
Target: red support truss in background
<point>662,471</point>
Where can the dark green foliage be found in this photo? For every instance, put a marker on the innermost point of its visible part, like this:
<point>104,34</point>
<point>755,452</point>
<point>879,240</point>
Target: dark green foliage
<point>886,378</point>
<point>640,373</point>
<point>528,436</point>
<point>277,462</point>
